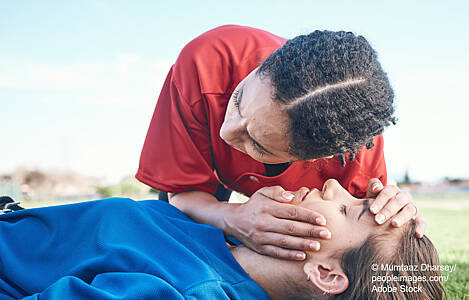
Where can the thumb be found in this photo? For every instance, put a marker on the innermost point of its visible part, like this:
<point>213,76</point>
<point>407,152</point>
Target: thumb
<point>374,187</point>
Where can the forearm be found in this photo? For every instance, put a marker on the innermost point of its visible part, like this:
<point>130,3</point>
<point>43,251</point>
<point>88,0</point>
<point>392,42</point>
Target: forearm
<point>204,208</point>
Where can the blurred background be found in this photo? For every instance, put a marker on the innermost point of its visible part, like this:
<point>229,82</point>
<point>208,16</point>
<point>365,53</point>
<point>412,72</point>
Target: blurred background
<point>79,82</point>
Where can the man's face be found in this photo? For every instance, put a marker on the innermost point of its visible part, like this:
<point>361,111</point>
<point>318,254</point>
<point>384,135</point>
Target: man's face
<point>348,218</point>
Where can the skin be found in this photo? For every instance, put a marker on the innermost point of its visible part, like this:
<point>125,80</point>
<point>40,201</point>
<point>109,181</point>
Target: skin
<point>268,223</point>
<point>350,229</point>
<point>257,120</point>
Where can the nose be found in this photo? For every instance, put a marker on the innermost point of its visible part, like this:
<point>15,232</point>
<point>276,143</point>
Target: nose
<point>232,127</point>
<point>329,189</point>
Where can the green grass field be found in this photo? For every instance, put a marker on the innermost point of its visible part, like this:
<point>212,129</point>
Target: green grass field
<point>448,229</point>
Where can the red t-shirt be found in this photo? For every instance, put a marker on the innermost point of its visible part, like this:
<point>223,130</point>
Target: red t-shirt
<point>183,150</point>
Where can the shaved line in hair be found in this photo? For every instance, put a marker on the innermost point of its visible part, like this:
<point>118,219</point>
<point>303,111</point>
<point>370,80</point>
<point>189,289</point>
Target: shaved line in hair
<point>323,89</point>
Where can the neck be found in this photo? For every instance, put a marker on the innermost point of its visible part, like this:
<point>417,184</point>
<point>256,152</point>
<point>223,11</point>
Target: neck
<point>274,275</point>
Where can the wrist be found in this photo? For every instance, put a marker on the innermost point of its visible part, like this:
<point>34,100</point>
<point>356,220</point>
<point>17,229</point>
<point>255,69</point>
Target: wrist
<point>228,218</point>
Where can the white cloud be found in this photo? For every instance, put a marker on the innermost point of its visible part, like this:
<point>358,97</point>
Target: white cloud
<point>126,79</point>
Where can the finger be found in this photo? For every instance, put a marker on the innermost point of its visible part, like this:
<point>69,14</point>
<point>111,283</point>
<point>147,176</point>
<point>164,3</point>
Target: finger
<point>277,193</point>
<point>408,213</point>
<point>298,229</point>
<point>297,213</point>
<point>374,187</point>
<point>393,206</point>
<point>279,252</point>
<point>290,242</point>
<point>383,197</point>
<point>420,226</point>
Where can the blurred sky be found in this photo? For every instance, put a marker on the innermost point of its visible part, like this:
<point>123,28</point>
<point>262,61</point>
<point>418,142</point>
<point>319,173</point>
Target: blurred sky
<point>79,79</point>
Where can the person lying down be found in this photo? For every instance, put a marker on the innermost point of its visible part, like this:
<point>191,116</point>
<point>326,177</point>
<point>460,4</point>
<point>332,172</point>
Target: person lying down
<point>117,248</point>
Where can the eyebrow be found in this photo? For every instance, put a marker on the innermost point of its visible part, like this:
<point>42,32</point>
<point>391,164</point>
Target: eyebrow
<point>240,97</point>
<point>366,204</point>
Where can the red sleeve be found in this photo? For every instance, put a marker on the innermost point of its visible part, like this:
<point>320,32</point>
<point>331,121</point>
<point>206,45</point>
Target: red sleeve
<point>176,153</point>
<point>370,164</point>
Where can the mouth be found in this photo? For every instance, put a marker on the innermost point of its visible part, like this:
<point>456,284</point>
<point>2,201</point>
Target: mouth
<point>314,190</point>
<point>310,191</point>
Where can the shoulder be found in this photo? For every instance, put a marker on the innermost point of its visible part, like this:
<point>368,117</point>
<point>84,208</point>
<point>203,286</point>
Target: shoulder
<point>231,35</point>
<point>217,59</point>
<point>227,42</point>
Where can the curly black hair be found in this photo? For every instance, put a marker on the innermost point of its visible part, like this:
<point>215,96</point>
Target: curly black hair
<point>337,95</point>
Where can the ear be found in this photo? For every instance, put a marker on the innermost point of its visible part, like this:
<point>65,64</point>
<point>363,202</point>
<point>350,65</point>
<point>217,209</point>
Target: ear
<point>328,277</point>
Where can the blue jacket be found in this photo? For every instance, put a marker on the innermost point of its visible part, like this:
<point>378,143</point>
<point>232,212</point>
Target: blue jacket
<point>117,249</point>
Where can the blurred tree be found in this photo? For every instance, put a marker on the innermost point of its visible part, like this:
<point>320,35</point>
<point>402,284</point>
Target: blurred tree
<point>453,180</point>
<point>127,187</point>
<point>406,179</point>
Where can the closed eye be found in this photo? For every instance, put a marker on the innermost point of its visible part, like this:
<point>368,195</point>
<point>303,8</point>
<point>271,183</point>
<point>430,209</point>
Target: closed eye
<point>257,148</point>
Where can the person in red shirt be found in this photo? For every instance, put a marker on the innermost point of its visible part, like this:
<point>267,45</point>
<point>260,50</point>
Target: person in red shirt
<point>264,116</point>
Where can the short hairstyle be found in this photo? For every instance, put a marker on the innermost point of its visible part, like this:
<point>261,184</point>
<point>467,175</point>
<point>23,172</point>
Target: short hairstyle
<point>392,261</point>
<point>337,95</point>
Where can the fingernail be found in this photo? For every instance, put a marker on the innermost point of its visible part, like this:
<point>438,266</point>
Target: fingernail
<point>374,209</point>
<point>396,222</point>
<point>301,256</point>
<point>379,218</point>
<point>376,186</point>
<point>325,234</point>
<point>315,246</point>
<point>287,195</point>
<point>320,221</point>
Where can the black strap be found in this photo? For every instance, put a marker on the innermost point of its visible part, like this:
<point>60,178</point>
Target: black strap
<point>272,170</point>
<point>6,206</point>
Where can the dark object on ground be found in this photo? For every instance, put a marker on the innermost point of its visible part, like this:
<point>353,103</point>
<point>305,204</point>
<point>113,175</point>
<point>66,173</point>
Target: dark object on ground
<point>7,204</point>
